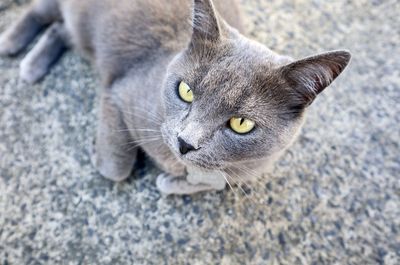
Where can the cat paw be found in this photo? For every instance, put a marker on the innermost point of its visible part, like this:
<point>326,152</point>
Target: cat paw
<point>31,72</point>
<point>168,184</point>
<point>164,183</point>
<point>7,47</point>
<point>109,168</point>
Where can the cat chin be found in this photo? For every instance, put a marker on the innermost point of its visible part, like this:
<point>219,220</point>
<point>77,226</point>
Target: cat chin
<point>187,161</point>
<point>203,166</point>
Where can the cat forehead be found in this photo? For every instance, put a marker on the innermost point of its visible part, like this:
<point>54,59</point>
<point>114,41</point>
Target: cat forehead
<point>241,96</point>
<point>234,81</point>
<point>234,62</point>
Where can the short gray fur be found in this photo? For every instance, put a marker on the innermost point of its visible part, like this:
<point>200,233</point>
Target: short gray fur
<point>143,49</point>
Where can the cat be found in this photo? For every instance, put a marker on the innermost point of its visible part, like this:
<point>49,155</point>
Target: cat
<point>180,81</point>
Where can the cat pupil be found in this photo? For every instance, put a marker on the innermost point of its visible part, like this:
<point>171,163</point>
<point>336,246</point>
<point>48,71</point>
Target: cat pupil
<point>241,121</point>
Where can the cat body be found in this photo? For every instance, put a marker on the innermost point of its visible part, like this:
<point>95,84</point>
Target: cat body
<point>146,52</point>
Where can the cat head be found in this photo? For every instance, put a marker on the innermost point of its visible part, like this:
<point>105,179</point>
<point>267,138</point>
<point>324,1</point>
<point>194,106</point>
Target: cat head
<point>229,99</point>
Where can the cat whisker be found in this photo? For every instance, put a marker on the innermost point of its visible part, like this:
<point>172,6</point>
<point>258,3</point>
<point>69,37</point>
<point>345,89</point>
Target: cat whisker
<point>147,112</point>
<point>149,134</point>
<point>246,170</point>
<point>141,142</point>
<point>239,184</point>
<point>146,134</point>
<point>231,172</point>
<point>147,118</point>
<point>236,182</point>
<point>139,145</point>
<point>256,175</point>
<point>253,174</point>
<point>223,174</point>
<point>254,178</point>
<point>139,130</point>
<point>144,140</point>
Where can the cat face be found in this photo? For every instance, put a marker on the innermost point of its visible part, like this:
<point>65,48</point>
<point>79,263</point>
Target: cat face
<point>228,99</point>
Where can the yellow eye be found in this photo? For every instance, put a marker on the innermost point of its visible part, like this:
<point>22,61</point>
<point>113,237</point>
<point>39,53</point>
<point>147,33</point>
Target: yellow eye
<point>241,125</point>
<point>185,92</point>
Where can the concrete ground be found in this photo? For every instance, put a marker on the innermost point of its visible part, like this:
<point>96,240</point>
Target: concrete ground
<point>334,198</point>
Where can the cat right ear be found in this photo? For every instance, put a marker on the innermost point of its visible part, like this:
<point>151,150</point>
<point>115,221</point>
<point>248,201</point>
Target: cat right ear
<point>206,26</point>
<point>310,76</point>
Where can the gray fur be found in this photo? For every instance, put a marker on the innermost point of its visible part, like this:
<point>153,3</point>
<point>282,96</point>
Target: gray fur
<point>143,49</point>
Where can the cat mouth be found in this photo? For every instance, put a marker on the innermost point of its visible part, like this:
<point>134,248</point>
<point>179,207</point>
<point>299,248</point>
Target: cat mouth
<point>200,163</point>
<point>192,158</point>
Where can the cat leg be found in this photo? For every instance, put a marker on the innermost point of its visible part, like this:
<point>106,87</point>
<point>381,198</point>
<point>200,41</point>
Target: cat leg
<point>44,54</point>
<point>168,184</point>
<point>112,157</point>
<point>40,14</point>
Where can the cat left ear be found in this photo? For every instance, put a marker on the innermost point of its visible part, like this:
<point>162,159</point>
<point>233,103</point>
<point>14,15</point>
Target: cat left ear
<point>206,26</point>
<point>310,76</point>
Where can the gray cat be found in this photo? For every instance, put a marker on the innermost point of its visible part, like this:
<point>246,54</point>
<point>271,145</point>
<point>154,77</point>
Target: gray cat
<point>207,104</point>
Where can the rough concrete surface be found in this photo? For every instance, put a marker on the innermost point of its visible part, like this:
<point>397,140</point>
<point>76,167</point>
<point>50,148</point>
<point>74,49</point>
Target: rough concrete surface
<point>334,198</point>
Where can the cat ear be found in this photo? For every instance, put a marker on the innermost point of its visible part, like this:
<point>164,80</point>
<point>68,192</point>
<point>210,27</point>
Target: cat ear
<point>206,26</point>
<point>310,76</point>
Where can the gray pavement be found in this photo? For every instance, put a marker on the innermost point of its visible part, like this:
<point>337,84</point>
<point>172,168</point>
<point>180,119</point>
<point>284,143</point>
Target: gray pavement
<point>334,198</point>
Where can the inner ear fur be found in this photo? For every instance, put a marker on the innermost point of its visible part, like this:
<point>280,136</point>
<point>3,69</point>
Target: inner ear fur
<point>310,76</point>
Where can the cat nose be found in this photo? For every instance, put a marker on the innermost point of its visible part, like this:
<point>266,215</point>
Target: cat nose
<point>184,147</point>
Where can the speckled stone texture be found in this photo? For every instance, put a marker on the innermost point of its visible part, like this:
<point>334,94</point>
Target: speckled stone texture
<point>334,198</point>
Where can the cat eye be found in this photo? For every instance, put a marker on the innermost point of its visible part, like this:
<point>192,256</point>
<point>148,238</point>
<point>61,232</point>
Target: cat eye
<point>185,92</point>
<point>241,125</point>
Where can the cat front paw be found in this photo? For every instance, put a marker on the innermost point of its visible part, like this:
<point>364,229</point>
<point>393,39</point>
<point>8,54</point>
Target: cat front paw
<point>7,47</point>
<point>31,71</point>
<point>168,184</point>
<point>165,184</point>
<point>109,167</point>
